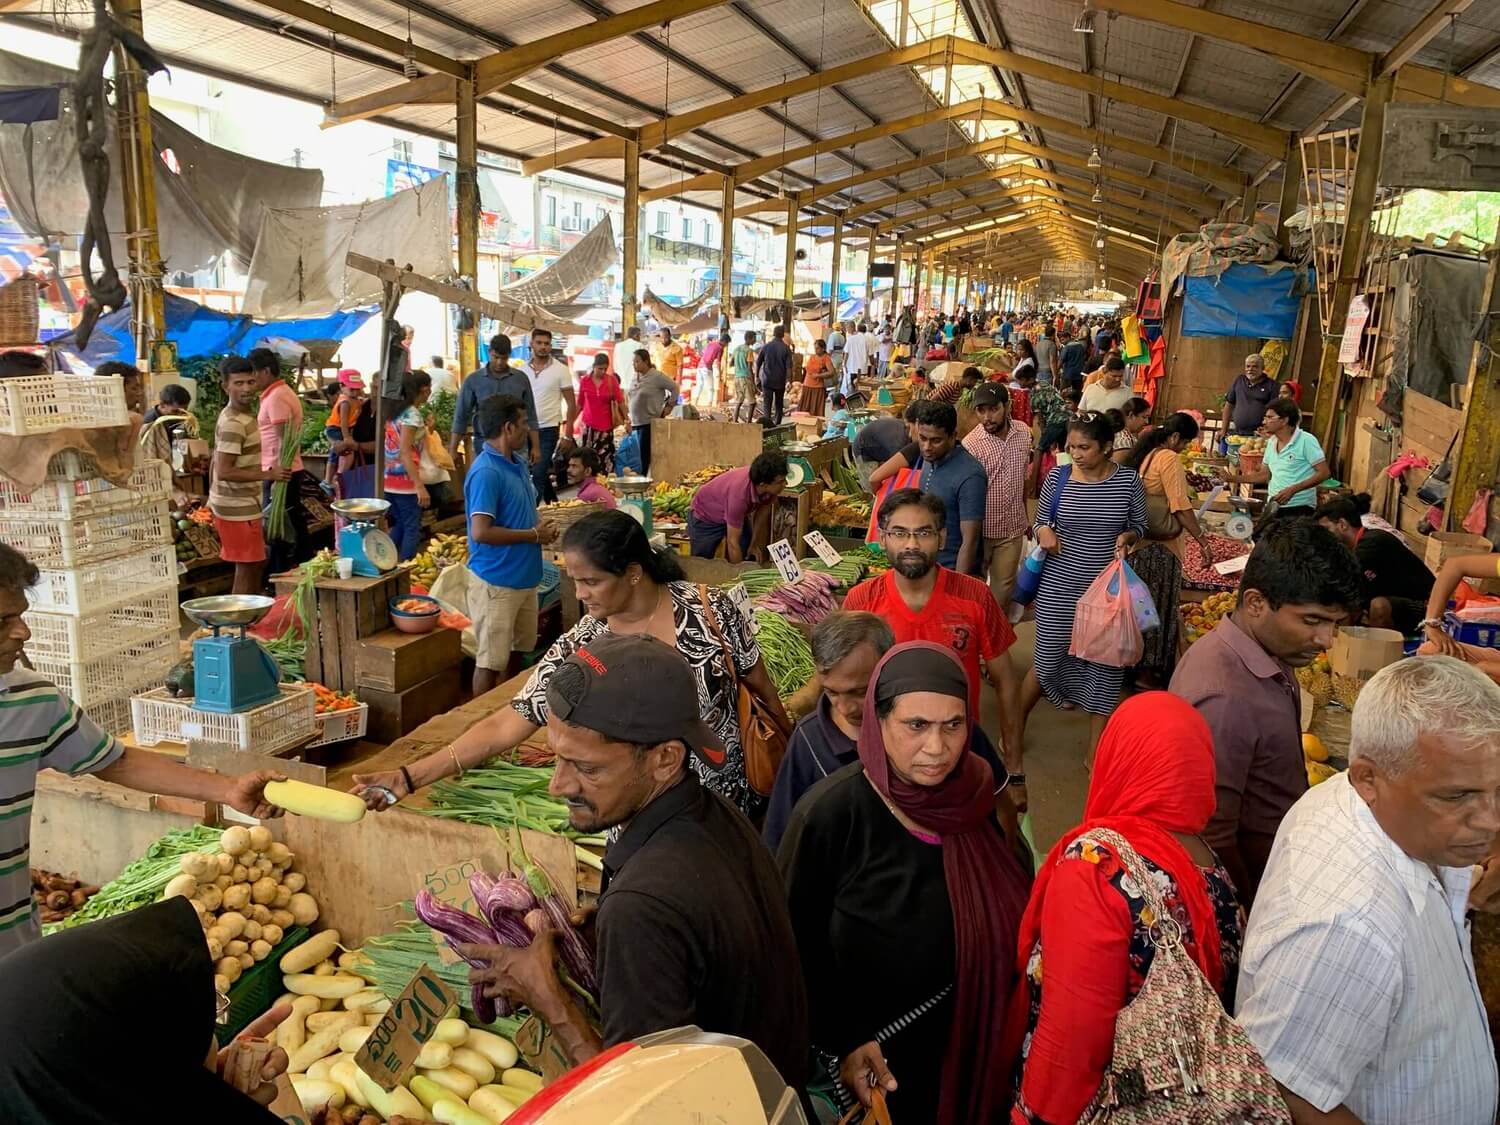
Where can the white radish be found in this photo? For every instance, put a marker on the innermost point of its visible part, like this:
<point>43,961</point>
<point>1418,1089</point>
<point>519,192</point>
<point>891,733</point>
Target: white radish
<point>490,1102</point>
<point>336,986</point>
<point>314,1094</point>
<point>451,1111</point>
<point>500,1051</point>
<point>400,1102</point>
<point>434,1055</point>
<point>321,1043</point>
<point>453,1079</point>
<point>451,1031</point>
<point>291,1032</point>
<point>363,999</point>
<point>354,1038</point>
<point>344,1072</point>
<point>475,1065</point>
<point>319,947</point>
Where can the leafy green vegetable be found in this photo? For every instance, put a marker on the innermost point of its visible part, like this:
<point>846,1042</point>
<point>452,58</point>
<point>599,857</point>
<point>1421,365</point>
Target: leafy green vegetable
<point>440,410</point>
<point>142,882</point>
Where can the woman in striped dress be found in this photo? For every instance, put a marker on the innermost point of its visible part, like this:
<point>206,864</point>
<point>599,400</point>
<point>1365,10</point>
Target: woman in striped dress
<point>1097,517</point>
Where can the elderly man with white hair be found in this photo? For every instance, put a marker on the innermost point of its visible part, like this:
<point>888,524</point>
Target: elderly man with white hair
<point>1357,980</point>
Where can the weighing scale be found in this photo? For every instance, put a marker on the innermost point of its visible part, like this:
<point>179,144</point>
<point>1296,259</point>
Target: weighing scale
<point>362,539</point>
<point>231,673</point>
<point>799,470</point>
<point>635,498</point>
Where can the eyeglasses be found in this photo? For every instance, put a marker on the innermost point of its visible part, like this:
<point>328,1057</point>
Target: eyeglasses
<point>905,535</point>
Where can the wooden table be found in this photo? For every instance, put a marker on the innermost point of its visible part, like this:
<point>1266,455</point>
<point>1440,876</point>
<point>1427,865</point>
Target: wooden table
<point>346,611</point>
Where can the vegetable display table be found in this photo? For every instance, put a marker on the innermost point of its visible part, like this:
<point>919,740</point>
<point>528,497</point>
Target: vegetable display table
<point>346,611</point>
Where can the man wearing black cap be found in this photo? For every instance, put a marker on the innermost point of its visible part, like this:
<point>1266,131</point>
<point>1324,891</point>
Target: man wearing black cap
<point>1002,446</point>
<point>692,925</point>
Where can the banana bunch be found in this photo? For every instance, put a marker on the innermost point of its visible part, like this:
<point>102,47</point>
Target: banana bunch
<point>671,501</point>
<point>441,552</point>
<point>702,476</point>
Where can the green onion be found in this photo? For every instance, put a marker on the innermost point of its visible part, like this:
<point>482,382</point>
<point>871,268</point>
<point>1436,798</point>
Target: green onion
<point>504,795</point>
<point>278,524</point>
<point>142,882</point>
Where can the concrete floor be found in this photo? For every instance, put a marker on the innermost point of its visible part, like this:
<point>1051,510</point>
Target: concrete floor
<point>1056,741</point>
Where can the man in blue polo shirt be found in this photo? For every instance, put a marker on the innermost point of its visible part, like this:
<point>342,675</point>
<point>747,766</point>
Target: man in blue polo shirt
<point>505,540</point>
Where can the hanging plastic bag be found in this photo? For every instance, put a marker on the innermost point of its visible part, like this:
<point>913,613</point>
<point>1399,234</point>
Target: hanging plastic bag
<point>1028,576</point>
<point>1104,628</point>
<point>1141,601</point>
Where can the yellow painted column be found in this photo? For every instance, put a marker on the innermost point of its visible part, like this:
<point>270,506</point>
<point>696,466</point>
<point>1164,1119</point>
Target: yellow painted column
<point>837,268</point>
<point>726,250</point>
<point>630,236</point>
<point>788,287</point>
<point>467,130</point>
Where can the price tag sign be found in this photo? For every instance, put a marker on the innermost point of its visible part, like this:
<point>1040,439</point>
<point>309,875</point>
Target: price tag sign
<point>538,1046</point>
<point>450,884</point>
<point>822,548</point>
<point>741,599</point>
<point>785,559</point>
<point>392,1047</point>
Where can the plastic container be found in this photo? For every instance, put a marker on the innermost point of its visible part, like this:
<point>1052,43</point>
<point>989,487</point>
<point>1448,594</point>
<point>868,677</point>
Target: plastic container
<point>39,404</point>
<point>61,636</point>
<point>97,586</point>
<point>408,622</point>
<point>111,716</point>
<point>267,729</point>
<point>57,543</point>
<point>71,497</point>
<point>1482,633</point>
<point>341,726</point>
<point>115,675</point>
<point>256,990</point>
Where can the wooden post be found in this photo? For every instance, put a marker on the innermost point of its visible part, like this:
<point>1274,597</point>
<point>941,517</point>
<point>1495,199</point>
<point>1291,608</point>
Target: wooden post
<point>896,297</point>
<point>870,270</point>
<point>630,236</point>
<point>1478,447</point>
<point>836,269</point>
<point>1249,202</point>
<point>941,302</point>
<point>467,128</point>
<point>1330,383</point>
<point>1291,186</point>
<point>726,252</point>
<point>789,283</point>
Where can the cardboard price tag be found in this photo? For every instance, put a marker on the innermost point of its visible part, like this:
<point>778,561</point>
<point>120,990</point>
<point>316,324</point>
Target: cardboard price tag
<point>538,1047</point>
<point>450,884</point>
<point>785,559</point>
<point>822,548</point>
<point>287,1106</point>
<point>390,1051</point>
<point>741,599</point>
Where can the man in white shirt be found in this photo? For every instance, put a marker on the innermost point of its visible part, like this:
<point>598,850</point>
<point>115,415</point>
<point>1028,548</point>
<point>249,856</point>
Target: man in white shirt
<point>556,409</point>
<point>1357,979</point>
<point>624,357</point>
<point>856,358</point>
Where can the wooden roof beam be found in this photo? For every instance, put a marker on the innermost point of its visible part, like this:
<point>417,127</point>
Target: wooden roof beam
<point>1187,219</point>
<point>1180,197</point>
<point>1428,28</point>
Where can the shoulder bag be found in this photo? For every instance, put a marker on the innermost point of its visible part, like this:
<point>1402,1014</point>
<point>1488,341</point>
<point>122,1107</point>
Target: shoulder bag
<point>762,737</point>
<point>1161,524</point>
<point>1179,1058</point>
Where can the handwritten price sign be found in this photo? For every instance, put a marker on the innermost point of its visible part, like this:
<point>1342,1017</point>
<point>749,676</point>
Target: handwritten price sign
<point>785,559</point>
<point>450,884</point>
<point>822,548</point>
<point>391,1050</point>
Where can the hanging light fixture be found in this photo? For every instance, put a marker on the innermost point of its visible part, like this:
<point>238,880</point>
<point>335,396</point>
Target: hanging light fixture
<point>1099,242</point>
<point>1098,193</point>
<point>1095,160</point>
<point>409,64</point>
<point>1084,24</point>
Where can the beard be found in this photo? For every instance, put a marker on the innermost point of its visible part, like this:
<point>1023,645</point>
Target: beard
<point>913,564</point>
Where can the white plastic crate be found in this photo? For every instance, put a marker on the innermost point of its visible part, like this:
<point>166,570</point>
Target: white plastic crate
<point>115,675</point>
<point>112,716</point>
<point>73,497</point>
<point>39,404</point>
<point>340,726</point>
<point>61,636</point>
<point>52,543</point>
<point>266,729</point>
<point>98,586</point>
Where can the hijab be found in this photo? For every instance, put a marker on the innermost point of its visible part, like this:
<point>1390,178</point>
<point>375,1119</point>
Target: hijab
<point>986,885</point>
<point>111,1022</point>
<point>1153,777</point>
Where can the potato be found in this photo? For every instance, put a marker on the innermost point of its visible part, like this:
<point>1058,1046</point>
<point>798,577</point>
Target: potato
<point>246,961</point>
<point>260,838</point>
<point>263,891</point>
<point>276,873</point>
<point>272,934</point>
<point>229,968</point>
<point>282,918</point>
<point>279,854</point>
<point>232,922</point>
<point>222,882</point>
<point>235,840</point>
<point>261,914</point>
<point>198,865</point>
<point>221,983</point>
<point>304,909</point>
<point>236,947</point>
<point>236,896</point>
<point>224,862</point>
<point>239,873</point>
<point>260,950</point>
<point>210,896</point>
<point>295,880</point>
<point>184,885</point>
<point>219,933</point>
<point>251,932</point>
<point>283,896</point>
<point>215,948</point>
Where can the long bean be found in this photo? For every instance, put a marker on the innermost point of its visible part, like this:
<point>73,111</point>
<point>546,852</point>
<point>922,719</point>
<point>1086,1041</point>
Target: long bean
<point>785,650</point>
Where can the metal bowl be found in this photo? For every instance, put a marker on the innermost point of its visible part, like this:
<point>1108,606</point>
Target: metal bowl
<point>361,508</point>
<point>228,609</point>
<point>631,481</point>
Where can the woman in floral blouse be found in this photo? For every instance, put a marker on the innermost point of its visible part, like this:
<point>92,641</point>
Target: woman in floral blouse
<point>627,587</point>
<point>1153,785</point>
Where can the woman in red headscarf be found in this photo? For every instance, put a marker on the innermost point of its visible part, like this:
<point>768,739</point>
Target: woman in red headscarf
<point>1153,785</point>
<point>905,895</point>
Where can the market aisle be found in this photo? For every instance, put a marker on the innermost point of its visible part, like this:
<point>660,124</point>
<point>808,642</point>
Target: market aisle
<point>1055,744</point>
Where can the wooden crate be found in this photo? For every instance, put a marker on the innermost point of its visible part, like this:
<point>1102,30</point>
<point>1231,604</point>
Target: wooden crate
<point>394,713</point>
<point>394,661</point>
<point>347,611</point>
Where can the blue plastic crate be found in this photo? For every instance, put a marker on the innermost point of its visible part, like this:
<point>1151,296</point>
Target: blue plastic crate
<point>1481,633</point>
<point>548,590</point>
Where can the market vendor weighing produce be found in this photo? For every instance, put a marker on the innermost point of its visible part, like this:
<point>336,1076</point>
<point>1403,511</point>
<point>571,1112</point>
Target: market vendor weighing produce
<point>692,927</point>
<point>735,508</point>
<point>1295,463</point>
<point>40,728</point>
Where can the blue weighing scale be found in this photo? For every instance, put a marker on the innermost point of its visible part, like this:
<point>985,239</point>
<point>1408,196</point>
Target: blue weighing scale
<point>635,499</point>
<point>231,673</point>
<point>362,539</point>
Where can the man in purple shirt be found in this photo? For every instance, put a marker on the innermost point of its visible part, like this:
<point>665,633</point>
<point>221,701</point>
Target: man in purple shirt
<point>733,500</point>
<point>1298,586</point>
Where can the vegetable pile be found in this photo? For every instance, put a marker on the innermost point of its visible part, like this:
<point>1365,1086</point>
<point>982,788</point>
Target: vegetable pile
<point>785,650</point>
<point>501,794</point>
<point>512,914</point>
<point>1199,618</point>
<point>390,959</point>
<point>1194,573</point>
<point>246,895</point>
<point>57,896</point>
<point>141,883</point>
<point>463,1074</point>
<point>325,699</point>
<point>838,510</point>
<point>808,600</point>
<point>699,477</point>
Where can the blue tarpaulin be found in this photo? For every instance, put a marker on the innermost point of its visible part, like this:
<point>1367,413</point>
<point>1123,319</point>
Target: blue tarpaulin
<point>1244,300</point>
<point>197,330</point>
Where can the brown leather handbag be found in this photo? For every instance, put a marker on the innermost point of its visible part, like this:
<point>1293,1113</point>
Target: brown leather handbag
<point>762,736</point>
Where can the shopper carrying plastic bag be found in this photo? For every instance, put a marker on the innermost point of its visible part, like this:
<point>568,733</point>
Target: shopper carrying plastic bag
<point>1141,601</point>
<point>1104,624</point>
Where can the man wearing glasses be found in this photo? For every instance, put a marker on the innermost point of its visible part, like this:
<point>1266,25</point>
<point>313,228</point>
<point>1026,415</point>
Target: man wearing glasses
<point>923,601</point>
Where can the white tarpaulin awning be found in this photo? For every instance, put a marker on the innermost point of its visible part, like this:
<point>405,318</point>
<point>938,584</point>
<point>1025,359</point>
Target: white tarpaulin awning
<point>675,316</point>
<point>580,265</point>
<point>300,264</point>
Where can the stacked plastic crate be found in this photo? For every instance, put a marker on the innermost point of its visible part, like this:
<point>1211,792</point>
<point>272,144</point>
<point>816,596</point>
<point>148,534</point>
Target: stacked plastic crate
<point>103,616</point>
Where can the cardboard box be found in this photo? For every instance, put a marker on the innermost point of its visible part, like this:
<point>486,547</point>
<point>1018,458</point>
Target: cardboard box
<point>393,661</point>
<point>394,713</point>
<point>1444,545</point>
<point>1359,653</point>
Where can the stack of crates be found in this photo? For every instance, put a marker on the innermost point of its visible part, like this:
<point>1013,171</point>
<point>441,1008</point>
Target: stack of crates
<point>103,616</point>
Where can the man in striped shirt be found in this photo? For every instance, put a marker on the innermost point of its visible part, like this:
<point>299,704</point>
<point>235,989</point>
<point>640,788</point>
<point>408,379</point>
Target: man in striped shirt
<point>40,728</point>
<point>1003,447</point>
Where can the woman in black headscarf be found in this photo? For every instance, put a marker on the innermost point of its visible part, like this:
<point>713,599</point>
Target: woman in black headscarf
<point>113,1022</point>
